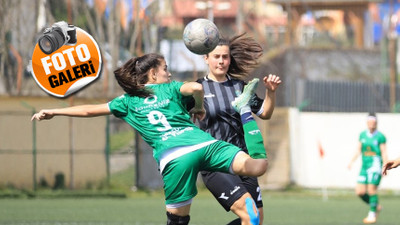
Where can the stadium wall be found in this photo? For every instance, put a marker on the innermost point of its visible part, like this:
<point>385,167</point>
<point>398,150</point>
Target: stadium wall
<point>336,134</point>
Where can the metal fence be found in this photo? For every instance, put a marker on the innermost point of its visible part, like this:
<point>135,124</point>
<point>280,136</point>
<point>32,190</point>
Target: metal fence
<point>73,153</point>
<point>34,155</point>
<point>340,96</point>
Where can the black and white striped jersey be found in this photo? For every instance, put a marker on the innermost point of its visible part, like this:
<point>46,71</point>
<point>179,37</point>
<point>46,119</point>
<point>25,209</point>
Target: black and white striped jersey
<point>222,121</point>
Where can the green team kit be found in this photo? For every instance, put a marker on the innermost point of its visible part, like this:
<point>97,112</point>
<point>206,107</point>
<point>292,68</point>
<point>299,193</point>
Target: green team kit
<point>371,157</point>
<point>180,148</point>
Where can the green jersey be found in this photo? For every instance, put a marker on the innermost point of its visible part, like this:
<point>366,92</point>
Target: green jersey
<point>161,119</point>
<point>370,149</point>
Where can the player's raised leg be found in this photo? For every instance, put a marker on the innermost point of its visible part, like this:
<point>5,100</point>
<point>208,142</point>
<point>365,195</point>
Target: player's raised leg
<point>252,135</point>
<point>255,164</point>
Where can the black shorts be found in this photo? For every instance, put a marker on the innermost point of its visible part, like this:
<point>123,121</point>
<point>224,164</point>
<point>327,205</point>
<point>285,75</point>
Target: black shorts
<point>228,188</point>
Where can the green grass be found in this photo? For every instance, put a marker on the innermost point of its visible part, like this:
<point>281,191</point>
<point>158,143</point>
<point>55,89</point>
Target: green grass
<point>147,208</point>
<point>295,206</point>
<point>123,180</point>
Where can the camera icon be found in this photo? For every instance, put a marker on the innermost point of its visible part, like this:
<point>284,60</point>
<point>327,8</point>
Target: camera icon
<point>56,36</point>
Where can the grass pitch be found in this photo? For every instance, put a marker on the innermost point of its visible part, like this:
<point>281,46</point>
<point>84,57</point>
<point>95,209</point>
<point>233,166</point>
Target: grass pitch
<point>147,208</point>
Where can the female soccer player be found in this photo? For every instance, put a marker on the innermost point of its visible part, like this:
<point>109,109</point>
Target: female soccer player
<point>372,147</point>
<point>229,64</point>
<point>155,107</point>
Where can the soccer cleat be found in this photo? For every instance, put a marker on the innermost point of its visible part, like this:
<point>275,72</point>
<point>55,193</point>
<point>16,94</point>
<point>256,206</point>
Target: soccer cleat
<point>369,220</point>
<point>243,99</point>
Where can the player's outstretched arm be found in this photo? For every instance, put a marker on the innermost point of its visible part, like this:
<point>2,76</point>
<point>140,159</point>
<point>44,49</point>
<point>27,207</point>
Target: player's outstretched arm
<point>74,111</point>
<point>391,164</point>
<point>271,83</point>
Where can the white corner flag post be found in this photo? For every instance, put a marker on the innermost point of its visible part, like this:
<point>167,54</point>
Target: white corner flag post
<point>324,188</point>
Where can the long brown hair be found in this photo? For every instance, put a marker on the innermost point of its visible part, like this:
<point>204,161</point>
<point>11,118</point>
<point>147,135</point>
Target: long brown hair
<point>244,54</point>
<point>133,75</point>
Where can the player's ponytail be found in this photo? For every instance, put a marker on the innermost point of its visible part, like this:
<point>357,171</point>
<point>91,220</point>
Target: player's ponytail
<point>244,53</point>
<point>133,75</point>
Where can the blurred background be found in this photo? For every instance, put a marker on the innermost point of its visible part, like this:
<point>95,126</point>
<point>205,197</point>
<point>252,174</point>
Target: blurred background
<point>338,60</point>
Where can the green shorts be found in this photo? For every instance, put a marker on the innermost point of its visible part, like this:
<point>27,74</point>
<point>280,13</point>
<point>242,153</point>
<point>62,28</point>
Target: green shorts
<point>369,177</point>
<point>180,175</point>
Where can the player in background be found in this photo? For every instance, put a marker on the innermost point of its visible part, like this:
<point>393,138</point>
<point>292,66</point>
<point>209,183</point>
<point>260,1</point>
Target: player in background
<point>390,164</point>
<point>229,65</point>
<point>156,107</point>
<point>372,147</point>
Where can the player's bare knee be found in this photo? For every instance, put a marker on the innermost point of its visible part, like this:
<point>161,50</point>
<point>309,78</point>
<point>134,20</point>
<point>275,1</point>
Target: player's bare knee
<point>265,166</point>
<point>239,206</point>
<point>173,219</point>
<point>261,167</point>
<point>360,193</point>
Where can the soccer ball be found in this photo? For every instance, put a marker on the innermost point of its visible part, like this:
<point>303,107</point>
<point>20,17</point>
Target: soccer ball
<point>201,36</point>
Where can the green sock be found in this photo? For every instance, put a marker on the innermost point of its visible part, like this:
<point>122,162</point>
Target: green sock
<point>373,202</point>
<point>365,198</point>
<point>254,140</point>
